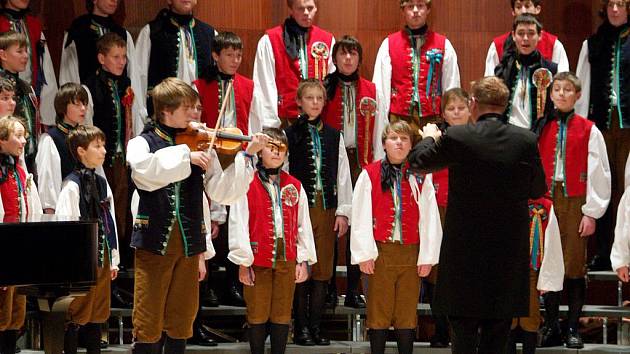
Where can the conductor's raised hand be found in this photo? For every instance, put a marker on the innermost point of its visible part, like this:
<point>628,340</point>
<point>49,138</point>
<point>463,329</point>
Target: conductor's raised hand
<point>201,159</point>
<point>259,141</point>
<point>431,130</point>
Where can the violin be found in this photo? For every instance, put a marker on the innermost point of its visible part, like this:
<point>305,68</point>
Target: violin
<point>227,141</point>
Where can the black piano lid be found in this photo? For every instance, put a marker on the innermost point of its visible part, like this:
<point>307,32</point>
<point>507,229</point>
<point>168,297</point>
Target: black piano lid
<point>48,250</point>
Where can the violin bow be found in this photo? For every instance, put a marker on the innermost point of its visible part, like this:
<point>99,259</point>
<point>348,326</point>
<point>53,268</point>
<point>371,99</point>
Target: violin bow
<point>226,96</point>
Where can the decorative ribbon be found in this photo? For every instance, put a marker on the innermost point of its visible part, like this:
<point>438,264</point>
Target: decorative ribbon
<point>367,106</point>
<point>320,53</point>
<point>542,80</point>
<point>434,56</point>
<point>536,235</point>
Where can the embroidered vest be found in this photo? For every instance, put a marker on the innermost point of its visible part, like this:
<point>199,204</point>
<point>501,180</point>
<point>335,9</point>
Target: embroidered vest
<point>13,192</point>
<point>67,160</point>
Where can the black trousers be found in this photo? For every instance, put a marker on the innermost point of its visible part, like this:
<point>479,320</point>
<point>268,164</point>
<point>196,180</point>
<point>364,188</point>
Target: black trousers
<point>482,336</point>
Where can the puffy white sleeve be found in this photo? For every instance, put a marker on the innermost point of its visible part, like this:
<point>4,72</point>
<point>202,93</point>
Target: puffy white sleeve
<point>383,79</point>
<point>362,243</point>
<point>551,273</point>
<point>620,253</point>
<point>89,112</point>
<point>48,165</point>
<point>450,69</point>
<point>344,183</point>
<point>379,125</point>
<point>138,109</point>
<point>627,174</point>
<point>49,89</point>
<point>227,186</point>
<point>143,51</point>
<point>559,57</point>
<point>218,212</point>
<point>306,240</point>
<point>69,67</point>
<point>492,60</point>
<point>583,72</point>
<point>429,225</point>
<point>331,63</point>
<point>207,220</point>
<point>152,171</point>
<point>32,197</point>
<point>112,211</point>
<point>238,233</point>
<point>68,201</point>
<point>265,98</point>
<point>598,178</point>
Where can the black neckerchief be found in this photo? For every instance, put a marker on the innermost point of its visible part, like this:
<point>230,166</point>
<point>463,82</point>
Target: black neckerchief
<point>104,21</point>
<point>564,116</point>
<point>264,172</point>
<point>90,196</point>
<point>106,76</point>
<point>333,80</point>
<point>389,174</point>
<point>417,34</point>
<point>15,14</point>
<point>7,165</point>
<point>292,34</point>
<point>66,128</point>
<point>530,59</point>
<point>182,20</point>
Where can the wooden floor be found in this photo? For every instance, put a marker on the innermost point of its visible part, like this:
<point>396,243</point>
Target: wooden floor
<point>356,347</point>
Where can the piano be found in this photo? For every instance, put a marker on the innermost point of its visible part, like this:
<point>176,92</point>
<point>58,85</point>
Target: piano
<point>53,259</point>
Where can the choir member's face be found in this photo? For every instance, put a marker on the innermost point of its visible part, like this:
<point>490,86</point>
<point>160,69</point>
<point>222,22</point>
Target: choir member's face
<point>182,7</point>
<point>347,62</point>
<point>181,117</point>
<point>105,7</point>
<point>14,58</point>
<point>228,60</point>
<point>17,4</point>
<point>272,157</point>
<point>312,102</point>
<point>7,103</point>
<point>416,13</point>
<point>303,12</point>
<point>456,112</point>
<point>526,38</point>
<point>14,146</point>
<point>75,113</point>
<point>397,147</point>
<point>114,61</point>
<point>617,12</point>
<point>525,7</point>
<point>196,111</point>
<point>94,155</point>
<point>564,95</point>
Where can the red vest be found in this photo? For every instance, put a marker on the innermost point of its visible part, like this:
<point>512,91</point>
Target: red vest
<point>35,34</point>
<point>333,115</point>
<point>288,73</point>
<point>578,132</point>
<point>209,95</point>
<point>9,191</point>
<point>545,45</point>
<point>539,210</point>
<point>430,74</point>
<point>261,223</point>
<point>383,212</point>
<point>440,182</point>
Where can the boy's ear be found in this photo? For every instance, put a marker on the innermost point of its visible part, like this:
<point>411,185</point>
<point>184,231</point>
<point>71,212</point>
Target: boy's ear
<point>101,58</point>
<point>215,56</point>
<point>3,55</point>
<point>578,95</point>
<point>80,152</point>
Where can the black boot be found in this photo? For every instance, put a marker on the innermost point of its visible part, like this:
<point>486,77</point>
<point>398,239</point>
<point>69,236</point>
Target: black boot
<point>529,342</point>
<point>70,339</point>
<point>331,294</point>
<point>378,339</point>
<point>573,339</point>
<point>404,339</point>
<point>207,296</point>
<point>353,277</point>
<point>174,346</point>
<point>234,294</point>
<point>146,348</point>
<point>10,341</point>
<point>301,333</point>
<point>201,336</point>
<point>279,335</point>
<point>551,334</point>
<point>257,334</point>
<point>318,296</point>
<point>511,345</point>
<point>92,334</point>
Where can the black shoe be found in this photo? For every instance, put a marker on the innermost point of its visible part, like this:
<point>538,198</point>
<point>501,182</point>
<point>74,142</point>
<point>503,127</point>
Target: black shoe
<point>233,296</point>
<point>316,333</point>
<point>550,337</point>
<point>119,300</point>
<point>598,263</point>
<point>104,344</point>
<point>202,337</point>
<point>353,300</point>
<point>302,336</point>
<point>331,299</point>
<point>439,342</point>
<point>573,339</point>
<point>210,298</point>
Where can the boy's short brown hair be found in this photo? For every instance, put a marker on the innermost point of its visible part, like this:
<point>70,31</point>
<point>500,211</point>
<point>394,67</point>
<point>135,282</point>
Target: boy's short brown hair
<point>276,134</point>
<point>527,19</point>
<point>6,85</point>
<point>82,137</point>
<point>307,84</point>
<point>290,3</point>
<point>170,94</point>
<point>400,127</point>
<point>108,41</point>
<point>490,91</point>
<point>404,2</point>
<point>68,93</point>
<point>570,77</point>
<point>454,93</point>
<point>348,44</point>
<point>7,126</point>
<point>11,38</point>
<point>226,40</point>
